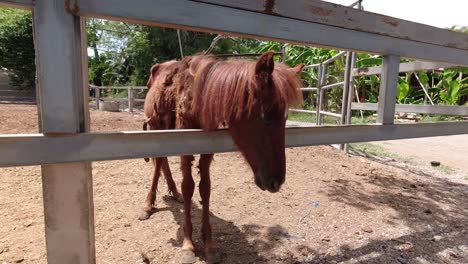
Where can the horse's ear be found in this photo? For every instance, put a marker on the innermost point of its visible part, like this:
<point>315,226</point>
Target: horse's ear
<point>153,73</point>
<point>298,68</point>
<point>265,64</point>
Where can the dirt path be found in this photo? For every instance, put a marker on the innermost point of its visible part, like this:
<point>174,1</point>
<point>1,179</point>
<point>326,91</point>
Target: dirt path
<point>333,208</point>
<point>451,151</point>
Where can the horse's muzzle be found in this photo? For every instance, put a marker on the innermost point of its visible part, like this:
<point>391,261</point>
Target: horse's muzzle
<point>271,184</point>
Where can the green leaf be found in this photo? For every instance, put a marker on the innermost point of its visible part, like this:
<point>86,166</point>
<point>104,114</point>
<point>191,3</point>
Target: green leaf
<point>402,90</point>
<point>423,78</point>
<point>454,91</point>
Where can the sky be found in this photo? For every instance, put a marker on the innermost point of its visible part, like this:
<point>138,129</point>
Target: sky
<point>440,13</point>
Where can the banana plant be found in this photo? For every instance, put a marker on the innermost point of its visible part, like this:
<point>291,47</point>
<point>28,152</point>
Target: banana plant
<point>451,88</point>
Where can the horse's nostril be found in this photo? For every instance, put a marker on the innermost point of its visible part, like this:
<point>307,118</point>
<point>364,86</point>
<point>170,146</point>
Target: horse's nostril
<point>274,186</point>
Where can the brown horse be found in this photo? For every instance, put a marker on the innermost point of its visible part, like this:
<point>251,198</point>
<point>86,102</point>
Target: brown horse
<point>250,98</point>
<point>160,114</point>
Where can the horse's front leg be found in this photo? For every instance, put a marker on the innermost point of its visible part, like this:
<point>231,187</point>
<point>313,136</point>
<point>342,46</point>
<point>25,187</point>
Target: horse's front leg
<point>211,254</point>
<point>188,186</point>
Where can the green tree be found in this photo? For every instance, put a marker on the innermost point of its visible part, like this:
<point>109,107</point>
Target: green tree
<point>17,47</point>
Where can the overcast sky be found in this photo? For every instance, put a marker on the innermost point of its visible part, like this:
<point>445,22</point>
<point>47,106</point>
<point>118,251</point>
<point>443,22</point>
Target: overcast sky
<point>440,13</point>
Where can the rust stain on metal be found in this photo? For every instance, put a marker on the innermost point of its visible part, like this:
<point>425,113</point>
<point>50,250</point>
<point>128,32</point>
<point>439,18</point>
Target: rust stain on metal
<point>72,10</point>
<point>268,6</point>
<point>452,45</point>
<point>391,22</point>
<point>362,70</point>
<point>319,10</point>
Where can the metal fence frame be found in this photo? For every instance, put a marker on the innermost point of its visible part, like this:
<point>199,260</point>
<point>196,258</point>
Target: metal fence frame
<point>65,147</point>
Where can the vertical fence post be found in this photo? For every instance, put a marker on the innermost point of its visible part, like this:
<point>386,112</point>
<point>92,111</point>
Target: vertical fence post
<point>319,94</point>
<point>283,53</point>
<point>387,91</point>
<point>67,188</point>
<point>351,90</point>
<point>344,100</point>
<point>97,95</point>
<point>130,99</point>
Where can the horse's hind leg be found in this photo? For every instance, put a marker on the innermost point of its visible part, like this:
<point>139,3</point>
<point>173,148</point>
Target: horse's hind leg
<point>211,254</point>
<point>188,187</point>
<point>148,209</point>
<point>170,181</point>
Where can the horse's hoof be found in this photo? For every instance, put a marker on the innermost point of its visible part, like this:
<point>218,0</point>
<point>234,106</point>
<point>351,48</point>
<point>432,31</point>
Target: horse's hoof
<point>188,257</point>
<point>144,214</point>
<point>212,258</point>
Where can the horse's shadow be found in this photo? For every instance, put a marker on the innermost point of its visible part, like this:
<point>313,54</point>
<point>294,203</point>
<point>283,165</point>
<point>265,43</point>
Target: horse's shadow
<point>233,242</point>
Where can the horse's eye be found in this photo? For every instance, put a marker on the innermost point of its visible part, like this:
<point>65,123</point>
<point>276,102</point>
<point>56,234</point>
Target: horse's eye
<point>267,121</point>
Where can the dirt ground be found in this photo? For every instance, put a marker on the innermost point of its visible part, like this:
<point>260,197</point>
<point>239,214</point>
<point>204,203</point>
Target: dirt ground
<point>451,151</point>
<point>333,208</point>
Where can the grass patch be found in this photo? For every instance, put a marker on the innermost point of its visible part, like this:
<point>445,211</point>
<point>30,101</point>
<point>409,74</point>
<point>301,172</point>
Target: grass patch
<point>362,121</point>
<point>301,117</point>
<point>439,118</point>
<point>445,169</point>
<point>373,150</point>
<point>310,118</point>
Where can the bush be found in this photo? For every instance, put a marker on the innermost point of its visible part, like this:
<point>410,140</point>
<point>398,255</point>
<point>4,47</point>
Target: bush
<point>17,47</point>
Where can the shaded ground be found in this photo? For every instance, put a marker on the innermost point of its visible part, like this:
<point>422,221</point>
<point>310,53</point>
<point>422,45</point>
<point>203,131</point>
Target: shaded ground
<point>333,208</point>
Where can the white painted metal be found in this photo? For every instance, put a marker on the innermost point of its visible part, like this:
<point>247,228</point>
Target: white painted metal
<point>387,91</point>
<point>302,111</point>
<point>422,109</point>
<point>97,96</point>
<point>312,66</point>
<point>130,99</point>
<point>404,67</point>
<point>321,79</point>
<point>38,149</point>
<point>120,87</point>
<point>241,22</point>
<point>344,98</point>
<point>68,203</point>
<point>333,85</point>
<point>309,89</point>
<point>426,93</point>
<point>330,114</point>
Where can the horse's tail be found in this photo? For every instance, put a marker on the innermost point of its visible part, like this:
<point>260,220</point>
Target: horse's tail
<point>145,127</point>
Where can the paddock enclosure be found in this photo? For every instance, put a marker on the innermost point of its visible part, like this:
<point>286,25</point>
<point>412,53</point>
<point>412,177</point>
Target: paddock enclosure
<point>65,147</point>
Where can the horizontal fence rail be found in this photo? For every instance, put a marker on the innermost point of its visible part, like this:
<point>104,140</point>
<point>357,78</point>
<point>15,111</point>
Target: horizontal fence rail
<point>421,109</point>
<point>40,149</point>
<point>353,19</point>
<point>404,67</point>
<point>300,24</point>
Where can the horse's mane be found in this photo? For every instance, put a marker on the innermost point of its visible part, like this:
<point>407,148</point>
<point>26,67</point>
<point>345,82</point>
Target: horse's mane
<point>225,91</point>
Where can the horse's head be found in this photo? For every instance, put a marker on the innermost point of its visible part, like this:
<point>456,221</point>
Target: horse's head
<point>260,133</point>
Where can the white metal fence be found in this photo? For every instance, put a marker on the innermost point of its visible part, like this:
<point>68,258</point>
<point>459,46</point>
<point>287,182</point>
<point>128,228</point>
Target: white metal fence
<point>65,147</point>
